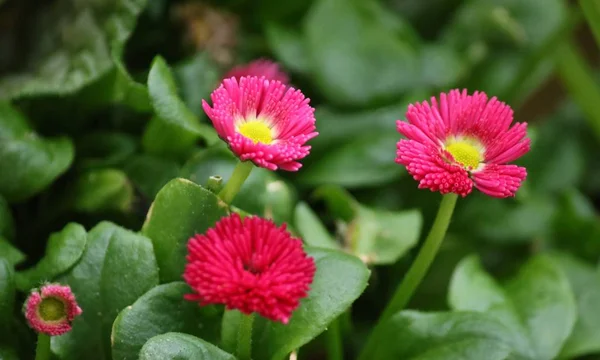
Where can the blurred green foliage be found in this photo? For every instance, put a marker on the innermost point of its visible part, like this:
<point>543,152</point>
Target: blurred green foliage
<point>101,115</point>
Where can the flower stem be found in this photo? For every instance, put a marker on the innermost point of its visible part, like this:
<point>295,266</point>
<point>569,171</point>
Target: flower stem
<point>335,347</point>
<point>240,174</point>
<point>417,271</point>
<point>42,351</point>
<point>244,338</point>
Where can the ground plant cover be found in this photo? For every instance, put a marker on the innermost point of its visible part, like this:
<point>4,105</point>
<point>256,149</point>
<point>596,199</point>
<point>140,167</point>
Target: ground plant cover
<point>299,179</point>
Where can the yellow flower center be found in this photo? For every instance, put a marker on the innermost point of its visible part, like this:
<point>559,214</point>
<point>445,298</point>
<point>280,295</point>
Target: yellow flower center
<point>256,131</point>
<point>465,153</point>
<point>52,309</point>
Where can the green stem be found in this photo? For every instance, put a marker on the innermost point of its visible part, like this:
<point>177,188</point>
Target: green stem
<point>244,338</point>
<point>417,271</point>
<point>335,347</point>
<point>42,351</point>
<point>240,174</point>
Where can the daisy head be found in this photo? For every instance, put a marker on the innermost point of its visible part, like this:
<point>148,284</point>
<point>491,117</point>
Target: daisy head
<point>263,121</point>
<point>463,141</point>
<point>250,265</point>
<point>51,309</point>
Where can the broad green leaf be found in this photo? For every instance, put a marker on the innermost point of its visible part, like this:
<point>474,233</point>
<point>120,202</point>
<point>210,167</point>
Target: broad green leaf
<point>29,163</point>
<point>63,251</point>
<point>169,107</point>
<point>441,66</point>
<point>311,229</point>
<point>288,46</point>
<point>7,296</point>
<point>161,310</point>
<point>117,87</point>
<point>339,280</point>
<point>263,193</point>
<point>104,149</point>
<point>164,139</point>
<point>149,173</point>
<point>117,267</point>
<point>177,346</point>
<point>71,46</point>
<point>443,336</point>
<point>382,237</point>
<point>181,210</point>
<point>553,166</point>
<point>10,253</point>
<point>197,77</point>
<point>336,127</point>
<point>361,162</point>
<point>103,190</point>
<point>376,236</point>
<point>537,306</point>
<point>352,37</point>
<point>585,282</point>
<point>576,219</point>
<point>7,223</point>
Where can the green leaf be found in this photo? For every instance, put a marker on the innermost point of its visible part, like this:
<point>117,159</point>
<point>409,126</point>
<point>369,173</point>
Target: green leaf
<point>181,210</point>
<point>71,46</point>
<point>339,280</point>
<point>63,251</point>
<point>176,346</point>
<point>117,267</point>
<point>170,108</point>
<point>164,139</point>
<point>10,253</point>
<point>161,310</point>
<point>311,229</point>
<point>382,237</point>
<point>336,127</point>
<point>288,46</point>
<point>149,173</point>
<point>117,87</point>
<point>7,296</point>
<point>375,236</point>
<point>340,166</point>
<point>591,10</point>
<point>443,336</point>
<point>576,220</point>
<point>197,78</point>
<point>29,163</point>
<point>537,306</point>
<point>7,223</point>
<point>104,149</point>
<point>585,282</point>
<point>353,37</point>
<point>103,190</point>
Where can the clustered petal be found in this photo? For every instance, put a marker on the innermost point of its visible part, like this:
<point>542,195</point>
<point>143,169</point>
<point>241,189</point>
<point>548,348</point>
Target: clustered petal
<point>285,111</point>
<point>261,67</point>
<point>458,115</point>
<point>52,309</point>
<point>250,265</point>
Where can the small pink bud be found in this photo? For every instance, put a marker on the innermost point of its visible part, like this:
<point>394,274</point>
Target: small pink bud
<point>52,309</point>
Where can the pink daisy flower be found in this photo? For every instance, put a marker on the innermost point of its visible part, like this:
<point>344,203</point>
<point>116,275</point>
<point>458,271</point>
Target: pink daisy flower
<point>250,265</point>
<point>51,310</point>
<point>461,142</point>
<point>261,67</point>
<point>263,121</point>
